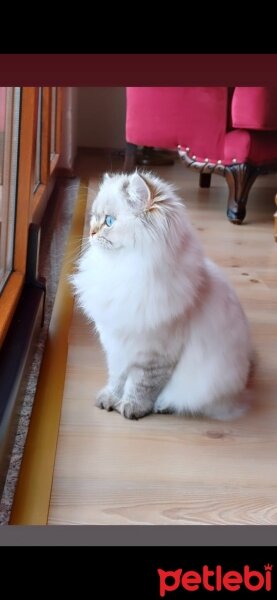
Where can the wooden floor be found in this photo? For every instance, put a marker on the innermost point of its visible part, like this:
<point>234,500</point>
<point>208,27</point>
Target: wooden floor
<point>163,469</point>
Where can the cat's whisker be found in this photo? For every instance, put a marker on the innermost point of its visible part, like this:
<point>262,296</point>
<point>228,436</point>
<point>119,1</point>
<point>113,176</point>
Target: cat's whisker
<point>79,244</point>
<point>76,254</point>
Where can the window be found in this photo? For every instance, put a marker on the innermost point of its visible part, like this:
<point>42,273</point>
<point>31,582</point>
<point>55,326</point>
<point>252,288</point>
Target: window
<point>9,128</point>
<point>30,134</point>
<point>53,123</point>
<point>55,130</point>
<point>38,142</point>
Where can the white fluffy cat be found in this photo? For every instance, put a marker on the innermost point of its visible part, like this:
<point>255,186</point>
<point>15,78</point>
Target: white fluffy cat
<point>175,336</point>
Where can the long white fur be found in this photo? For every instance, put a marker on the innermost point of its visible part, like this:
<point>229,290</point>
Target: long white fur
<point>150,291</point>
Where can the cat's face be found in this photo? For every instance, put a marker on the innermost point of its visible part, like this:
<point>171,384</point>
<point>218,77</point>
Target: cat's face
<point>116,210</point>
<point>127,211</point>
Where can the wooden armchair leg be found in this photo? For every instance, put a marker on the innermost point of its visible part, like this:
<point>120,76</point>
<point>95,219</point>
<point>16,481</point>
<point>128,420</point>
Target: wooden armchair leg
<point>130,157</point>
<point>205,180</point>
<point>240,179</point>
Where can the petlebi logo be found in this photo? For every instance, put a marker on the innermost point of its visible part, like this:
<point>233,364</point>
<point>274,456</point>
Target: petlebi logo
<point>216,579</point>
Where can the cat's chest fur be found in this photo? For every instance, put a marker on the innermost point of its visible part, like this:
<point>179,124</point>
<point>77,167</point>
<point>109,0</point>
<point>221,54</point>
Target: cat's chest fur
<point>125,290</point>
<point>117,291</point>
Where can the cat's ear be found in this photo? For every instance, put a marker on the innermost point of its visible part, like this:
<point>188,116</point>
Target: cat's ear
<point>139,192</point>
<point>106,176</point>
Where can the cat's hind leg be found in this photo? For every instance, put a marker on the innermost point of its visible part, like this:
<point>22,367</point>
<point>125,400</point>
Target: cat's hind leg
<point>205,392</point>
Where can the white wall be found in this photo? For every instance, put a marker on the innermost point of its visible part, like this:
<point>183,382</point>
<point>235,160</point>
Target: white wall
<point>101,117</point>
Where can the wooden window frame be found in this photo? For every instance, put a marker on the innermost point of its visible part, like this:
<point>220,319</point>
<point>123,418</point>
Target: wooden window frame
<point>48,166</point>
<point>30,205</point>
<point>55,160</point>
<point>26,162</point>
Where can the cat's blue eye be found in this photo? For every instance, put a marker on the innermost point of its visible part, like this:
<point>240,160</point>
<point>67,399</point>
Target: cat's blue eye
<point>109,220</point>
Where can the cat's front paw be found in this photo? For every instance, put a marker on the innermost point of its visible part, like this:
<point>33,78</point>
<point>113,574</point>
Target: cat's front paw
<point>133,410</point>
<point>105,399</point>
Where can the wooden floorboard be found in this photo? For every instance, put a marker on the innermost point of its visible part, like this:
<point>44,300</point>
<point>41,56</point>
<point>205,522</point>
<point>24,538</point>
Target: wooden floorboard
<point>166,469</point>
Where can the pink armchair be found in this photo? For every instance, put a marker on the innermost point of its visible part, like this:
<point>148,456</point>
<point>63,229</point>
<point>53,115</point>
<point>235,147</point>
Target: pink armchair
<point>227,131</point>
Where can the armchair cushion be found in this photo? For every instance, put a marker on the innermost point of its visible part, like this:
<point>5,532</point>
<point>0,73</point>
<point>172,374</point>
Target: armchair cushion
<point>255,108</point>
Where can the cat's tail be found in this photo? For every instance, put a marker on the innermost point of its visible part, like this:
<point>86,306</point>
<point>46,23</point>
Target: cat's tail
<point>233,407</point>
<point>229,409</point>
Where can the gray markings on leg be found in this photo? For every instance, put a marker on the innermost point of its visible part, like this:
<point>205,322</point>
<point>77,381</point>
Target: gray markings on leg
<point>143,385</point>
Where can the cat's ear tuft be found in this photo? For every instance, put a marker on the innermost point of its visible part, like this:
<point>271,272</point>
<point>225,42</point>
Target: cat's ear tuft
<point>139,192</point>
